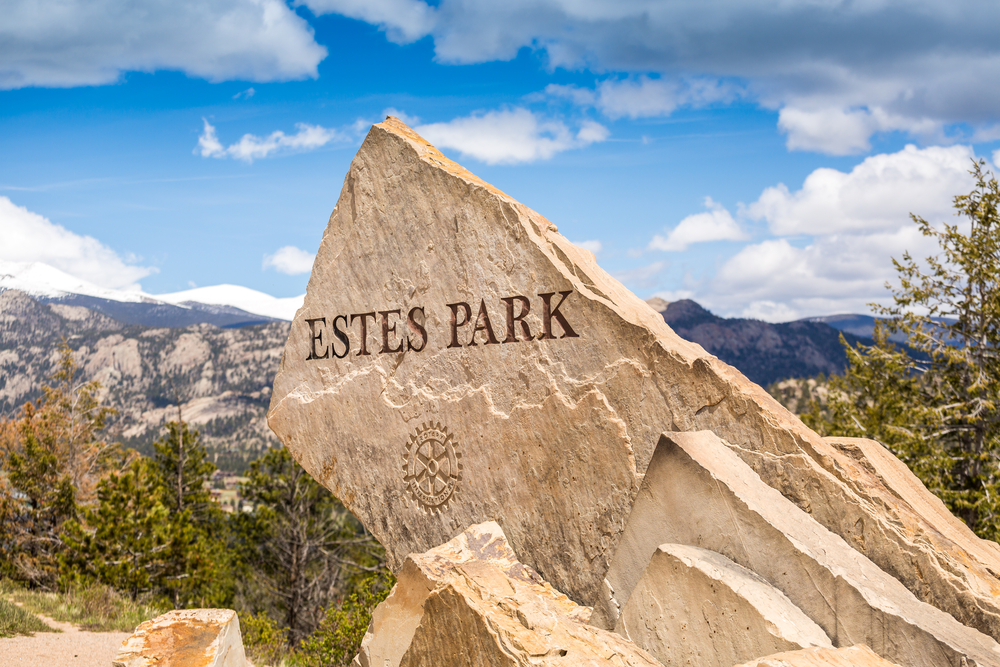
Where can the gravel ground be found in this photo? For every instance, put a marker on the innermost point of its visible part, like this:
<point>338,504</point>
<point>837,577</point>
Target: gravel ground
<point>70,648</point>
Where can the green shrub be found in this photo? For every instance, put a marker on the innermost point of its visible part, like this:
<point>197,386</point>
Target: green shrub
<point>338,638</point>
<point>265,642</point>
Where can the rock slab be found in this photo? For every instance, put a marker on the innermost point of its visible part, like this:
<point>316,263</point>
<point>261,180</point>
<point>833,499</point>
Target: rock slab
<point>697,491</point>
<point>470,603</point>
<point>457,360</point>
<point>850,656</point>
<point>694,606</point>
<point>185,638</point>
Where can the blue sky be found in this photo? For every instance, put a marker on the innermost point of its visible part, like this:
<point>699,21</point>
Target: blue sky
<point>758,156</point>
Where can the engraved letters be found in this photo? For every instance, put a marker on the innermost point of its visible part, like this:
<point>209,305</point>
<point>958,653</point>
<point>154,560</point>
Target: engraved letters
<point>332,337</point>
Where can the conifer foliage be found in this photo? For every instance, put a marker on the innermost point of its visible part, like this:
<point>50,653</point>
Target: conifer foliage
<point>77,510</point>
<point>939,408</point>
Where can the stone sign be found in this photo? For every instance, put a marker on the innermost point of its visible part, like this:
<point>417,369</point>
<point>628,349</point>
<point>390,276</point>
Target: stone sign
<point>458,361</point>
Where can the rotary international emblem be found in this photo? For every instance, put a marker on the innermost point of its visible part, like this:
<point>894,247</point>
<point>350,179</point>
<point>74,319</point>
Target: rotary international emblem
<point>432,468</point>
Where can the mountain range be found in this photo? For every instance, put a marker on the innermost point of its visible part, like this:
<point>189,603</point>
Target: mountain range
<point>220,305</point>
<point>766,352</point>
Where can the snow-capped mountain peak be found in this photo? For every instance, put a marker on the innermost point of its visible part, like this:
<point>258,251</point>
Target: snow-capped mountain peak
<point>49,283</point>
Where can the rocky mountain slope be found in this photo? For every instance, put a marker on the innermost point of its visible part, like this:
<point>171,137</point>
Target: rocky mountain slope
<point>221,378</point>
<point>764,352</point>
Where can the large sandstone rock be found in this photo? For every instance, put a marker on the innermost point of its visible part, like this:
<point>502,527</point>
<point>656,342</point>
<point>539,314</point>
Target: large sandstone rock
<point>470,603</point>
<point>457,360</point>
<point>697,607</point>
<point>850,656</point>
<point>698,492</point>
<point>185,638</point>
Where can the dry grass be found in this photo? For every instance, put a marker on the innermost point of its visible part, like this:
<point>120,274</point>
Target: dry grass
<point>95,608</point>
<point>16,621</point>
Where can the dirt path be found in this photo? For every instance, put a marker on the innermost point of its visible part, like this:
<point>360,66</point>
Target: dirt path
<point>72,647</point>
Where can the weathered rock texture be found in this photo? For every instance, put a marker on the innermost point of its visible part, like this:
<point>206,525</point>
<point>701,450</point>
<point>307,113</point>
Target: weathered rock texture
<point>850,656</point>
<point>185,638</point>
<point>424,273</point>
<point>696,607</point>
<point>470,603</point>
<point>698,492</point>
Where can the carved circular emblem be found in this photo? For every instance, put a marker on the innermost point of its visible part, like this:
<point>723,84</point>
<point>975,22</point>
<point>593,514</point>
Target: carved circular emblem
<point>433,468</point>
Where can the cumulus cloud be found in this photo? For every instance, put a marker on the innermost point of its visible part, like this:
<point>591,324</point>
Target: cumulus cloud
<point>29,237</point>
<point>864,67</point>
<point>290,260</point>
<point>877,194</point>
<point>716,224</point>
<point>510,136</point>
<point>645,97</point>
<point>245,94</point>
<point>250,147</point>
<point>834,238</point>
<point>403,21</point>
<point>845,131</point>
<point>87,42</point>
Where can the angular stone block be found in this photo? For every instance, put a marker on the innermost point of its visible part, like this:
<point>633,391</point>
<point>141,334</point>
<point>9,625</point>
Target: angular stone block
<point>698,492</point>
<point>457,360</point>
<point>967,569</point>
<point>470,603</point>
<point>185,638</point>
<point>696,607</point>
<point>850,656</point>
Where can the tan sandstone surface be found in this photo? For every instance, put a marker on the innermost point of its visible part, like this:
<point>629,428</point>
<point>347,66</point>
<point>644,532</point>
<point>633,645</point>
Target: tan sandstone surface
<point>470,603</point>
<point>851,656</point>
<point>185,638</point>
<point>696,607</point>
<point>697,491</point>
<point>457,361</point>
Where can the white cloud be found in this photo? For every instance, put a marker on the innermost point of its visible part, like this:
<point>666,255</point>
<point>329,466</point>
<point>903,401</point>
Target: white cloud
<point>716,224</point>
<point>63,43</point>
<point>644,97</point>
<point>641,277</point>
<point>250,147</point>
<point>290,260</point>
<point>245,94</point>
<point>865,67</point>
<point>404,21</point>
<point>845,132</point>
<point>510,136</point>
<point>29,237</point>
<point>835,237</point>
<point>593,246</point>
<point>878,194</point>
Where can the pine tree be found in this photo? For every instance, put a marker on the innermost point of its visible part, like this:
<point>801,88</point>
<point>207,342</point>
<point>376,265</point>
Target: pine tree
<point>941,412</point>
<point>201,572</point>
<point>37,498</point>
<point>129,544</point>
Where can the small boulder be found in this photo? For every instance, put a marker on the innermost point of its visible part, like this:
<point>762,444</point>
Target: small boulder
<point>470,603</point>
<point>185,638</point>
<point>694,606</point>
